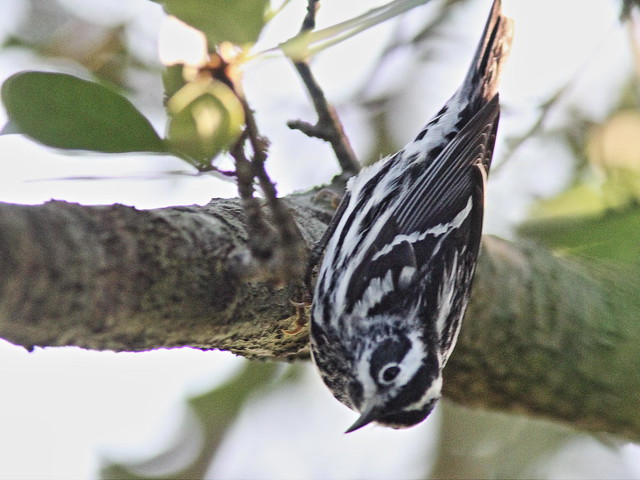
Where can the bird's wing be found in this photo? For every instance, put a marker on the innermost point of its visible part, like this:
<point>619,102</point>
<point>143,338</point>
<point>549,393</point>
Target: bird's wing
<point>446,200</point>
<point>444,189</point>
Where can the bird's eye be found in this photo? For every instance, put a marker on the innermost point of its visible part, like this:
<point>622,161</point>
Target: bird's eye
<point>389,373</point>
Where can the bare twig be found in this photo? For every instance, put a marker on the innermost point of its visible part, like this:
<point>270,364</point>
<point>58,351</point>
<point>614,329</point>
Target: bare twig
<point>275,254</point>
<point>514,144</point>
<point>290,247</point>
<point>309,22</point>
<point>328,127</point>
<point>260,235</point>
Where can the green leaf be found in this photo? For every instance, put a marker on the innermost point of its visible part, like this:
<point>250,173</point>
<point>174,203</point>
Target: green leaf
<point>63,111</point>
<point>238,22</point>
<point>309,43</point>
<point>596,220</point>
<point>613,235</point>
<point>206,118</point>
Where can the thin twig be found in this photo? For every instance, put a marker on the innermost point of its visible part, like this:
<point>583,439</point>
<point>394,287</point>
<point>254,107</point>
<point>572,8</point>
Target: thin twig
<point>328,127</point>
<point>309,22</point>
<point>514,144</point>
<point>259,234</point>
<point>276,255</point>
<point>259,144</point>
<point>283,219</point>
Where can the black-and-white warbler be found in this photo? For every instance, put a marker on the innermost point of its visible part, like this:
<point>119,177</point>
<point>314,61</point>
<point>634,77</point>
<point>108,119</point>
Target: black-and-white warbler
<point>396,275</point>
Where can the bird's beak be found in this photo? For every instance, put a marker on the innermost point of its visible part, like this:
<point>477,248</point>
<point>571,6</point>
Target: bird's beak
<point>366,417</point>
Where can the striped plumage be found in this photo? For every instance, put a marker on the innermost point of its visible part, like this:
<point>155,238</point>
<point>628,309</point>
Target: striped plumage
<point>396,275</point>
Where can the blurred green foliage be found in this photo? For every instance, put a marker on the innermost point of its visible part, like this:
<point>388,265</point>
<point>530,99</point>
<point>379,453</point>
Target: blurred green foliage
<point>49,29</point>
<point>598,216</point>
<point>215,412</point>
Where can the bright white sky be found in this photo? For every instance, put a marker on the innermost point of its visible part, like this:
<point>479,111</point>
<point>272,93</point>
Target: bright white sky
<point>60,407</point>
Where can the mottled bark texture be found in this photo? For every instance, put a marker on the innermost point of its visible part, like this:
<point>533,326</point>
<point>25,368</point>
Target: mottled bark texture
<point>113,277</point>
<point>543,335</point>
<point>549,336</point>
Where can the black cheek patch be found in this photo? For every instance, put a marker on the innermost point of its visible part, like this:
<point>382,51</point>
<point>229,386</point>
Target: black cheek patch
<point>390,350</point>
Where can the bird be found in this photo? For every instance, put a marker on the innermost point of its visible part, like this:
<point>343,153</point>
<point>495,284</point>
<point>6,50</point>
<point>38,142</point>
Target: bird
<point>401,251</point>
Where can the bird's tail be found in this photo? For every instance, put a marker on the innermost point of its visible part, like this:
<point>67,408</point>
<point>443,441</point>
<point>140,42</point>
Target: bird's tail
<point>481,82</point>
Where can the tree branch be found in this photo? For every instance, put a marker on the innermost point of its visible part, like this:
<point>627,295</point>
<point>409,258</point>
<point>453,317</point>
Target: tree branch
<point>328,127</point>
<point>113,277</point>
<point>543,335</point>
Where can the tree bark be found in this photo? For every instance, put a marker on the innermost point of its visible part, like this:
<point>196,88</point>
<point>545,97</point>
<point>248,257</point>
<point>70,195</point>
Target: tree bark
<point>550,337</point>
<point>117,278</point>
<point>543,335</point>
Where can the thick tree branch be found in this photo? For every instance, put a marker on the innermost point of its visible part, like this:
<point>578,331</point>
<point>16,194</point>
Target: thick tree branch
<point>543,335</point>
<point>113,277</point>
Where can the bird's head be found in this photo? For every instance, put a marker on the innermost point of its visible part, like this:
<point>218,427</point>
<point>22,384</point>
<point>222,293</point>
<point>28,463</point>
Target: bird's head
<point>396,381</point>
